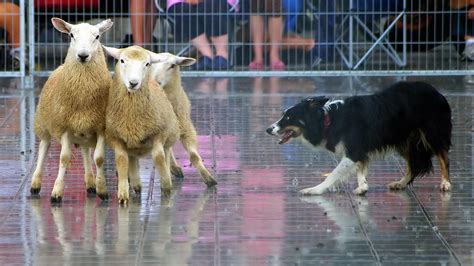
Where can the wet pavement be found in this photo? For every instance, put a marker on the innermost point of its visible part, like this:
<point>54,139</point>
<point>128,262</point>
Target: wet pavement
<point>254,216</point>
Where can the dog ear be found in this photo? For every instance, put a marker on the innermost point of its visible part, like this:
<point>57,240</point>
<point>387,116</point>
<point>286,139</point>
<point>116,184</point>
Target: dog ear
<point>318,101</point>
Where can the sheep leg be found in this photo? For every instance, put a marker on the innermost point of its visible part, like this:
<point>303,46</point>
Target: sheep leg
<point>99,158</point>
<point>38,174</point>
<point>121,162</point>
<point>65,159</point>
<point>161,160</point>
<point>175,168</point>
<point>88,175</point>
<point>189,141</point>
<point>134,174</point>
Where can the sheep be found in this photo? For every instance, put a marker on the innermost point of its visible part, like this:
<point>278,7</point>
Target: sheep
<point>168,75</point>
<point>139,119</point>
<point>71,107</point>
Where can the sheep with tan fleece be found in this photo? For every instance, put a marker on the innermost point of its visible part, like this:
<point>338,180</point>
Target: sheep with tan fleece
<point>139,119</point>
<point>71,107</point>
<point>168,74</point>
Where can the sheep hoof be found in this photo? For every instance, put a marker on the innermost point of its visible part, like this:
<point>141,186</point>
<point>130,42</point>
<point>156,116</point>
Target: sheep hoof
<point>103,197</point>
<point>123,202</point>
<point>211,182</point>
<point>138,190</point>
<point>91,190</point>
<point>177,172</point>
<point>56,200</point>
<point>165,192</point>
<point>35,191</point>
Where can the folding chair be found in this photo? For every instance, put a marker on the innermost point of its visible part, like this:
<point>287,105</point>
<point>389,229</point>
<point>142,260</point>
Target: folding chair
<point>363,14</point>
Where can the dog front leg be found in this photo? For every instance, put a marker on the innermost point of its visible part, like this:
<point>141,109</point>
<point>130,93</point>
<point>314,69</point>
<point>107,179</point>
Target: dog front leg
<point>343,169</point>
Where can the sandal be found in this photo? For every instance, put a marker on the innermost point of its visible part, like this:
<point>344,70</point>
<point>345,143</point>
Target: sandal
<point>254,65</point>
<point>278,65</point>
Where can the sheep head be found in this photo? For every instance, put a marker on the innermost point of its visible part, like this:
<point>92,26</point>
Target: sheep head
<point>166,70</point>
<point>85,38</point>
<point>133,66</point>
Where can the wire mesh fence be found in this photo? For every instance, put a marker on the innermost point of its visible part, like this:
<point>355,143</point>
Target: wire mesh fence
<point>254,37</point>
<point>12,38</point>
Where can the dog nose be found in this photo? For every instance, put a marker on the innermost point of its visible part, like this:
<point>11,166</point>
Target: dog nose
<point>270,130</point>
<point>83,57</point>
<point>133,83</point>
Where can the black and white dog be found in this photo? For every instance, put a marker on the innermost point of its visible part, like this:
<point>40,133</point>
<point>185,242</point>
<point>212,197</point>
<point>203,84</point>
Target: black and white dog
<point>411,118</point>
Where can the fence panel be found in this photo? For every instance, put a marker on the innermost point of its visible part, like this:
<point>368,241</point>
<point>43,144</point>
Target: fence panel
<point>266,37</point>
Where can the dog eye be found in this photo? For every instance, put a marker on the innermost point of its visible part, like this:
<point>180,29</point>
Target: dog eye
<point>72,35</point>
<point>172,66</point>
<point>97,37</point>
<point>147,64</point>
<point>287,118</point>
<point>122,61</point>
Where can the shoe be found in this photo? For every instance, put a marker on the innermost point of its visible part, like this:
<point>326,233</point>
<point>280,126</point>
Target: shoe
<point>203,63</point>
<point>468,52</point>
<point>278,66</point>
<point>15,59</point>
<point>254,65</point>
<point>221,63</point>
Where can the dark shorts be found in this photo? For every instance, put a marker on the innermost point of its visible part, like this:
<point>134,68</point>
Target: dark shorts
<point>210,17</point>
<point>267,7</point>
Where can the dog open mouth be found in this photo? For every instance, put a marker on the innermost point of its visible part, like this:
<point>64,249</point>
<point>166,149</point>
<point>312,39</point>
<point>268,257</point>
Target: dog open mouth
<point>286,136</point>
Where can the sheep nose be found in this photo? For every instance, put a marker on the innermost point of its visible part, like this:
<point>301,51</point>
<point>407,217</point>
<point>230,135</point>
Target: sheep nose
<point>133,83</point>
<point>83,56</point>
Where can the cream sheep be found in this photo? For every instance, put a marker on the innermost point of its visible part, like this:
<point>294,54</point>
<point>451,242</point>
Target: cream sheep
<point>71,107</point>
<point>168,75</point>
<point>139,119</point>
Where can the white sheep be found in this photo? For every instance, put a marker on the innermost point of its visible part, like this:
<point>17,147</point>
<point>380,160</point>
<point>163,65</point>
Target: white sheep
<point>139,119</point>
<point>71,107</point>
<point>167,73</point>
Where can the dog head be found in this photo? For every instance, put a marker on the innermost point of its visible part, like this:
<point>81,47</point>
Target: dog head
<point>304,118</point>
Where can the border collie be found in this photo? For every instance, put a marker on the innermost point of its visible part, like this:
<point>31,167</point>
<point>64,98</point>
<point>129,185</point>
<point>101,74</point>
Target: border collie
<point>411,118</point>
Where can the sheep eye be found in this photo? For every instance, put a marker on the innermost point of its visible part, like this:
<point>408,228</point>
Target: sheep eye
<point>147,64</point>
<point>97,37</point>
<point>172,66</point>
<point>287,118</point>
<point>72,35</point>
<point>122,61</point>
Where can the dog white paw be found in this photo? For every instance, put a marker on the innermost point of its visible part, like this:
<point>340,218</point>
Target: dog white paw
<point>396,186</point>
<point>445,186</point>
<point>317,190</point>
<point>361,190</point>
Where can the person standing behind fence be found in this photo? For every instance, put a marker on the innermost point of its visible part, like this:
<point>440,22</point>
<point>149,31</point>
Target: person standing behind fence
<point>142,20</point>
<point>10,22</point>
<point>258,10</point>
<point>199,21</point>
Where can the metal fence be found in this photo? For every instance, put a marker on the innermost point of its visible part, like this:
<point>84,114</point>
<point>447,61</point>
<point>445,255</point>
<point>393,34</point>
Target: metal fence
<point>241,38</point>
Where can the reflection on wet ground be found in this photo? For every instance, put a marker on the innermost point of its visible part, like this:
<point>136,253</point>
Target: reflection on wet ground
<point>254,216</point>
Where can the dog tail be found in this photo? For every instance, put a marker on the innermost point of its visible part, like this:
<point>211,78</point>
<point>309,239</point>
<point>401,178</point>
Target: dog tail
<point>419,156</point>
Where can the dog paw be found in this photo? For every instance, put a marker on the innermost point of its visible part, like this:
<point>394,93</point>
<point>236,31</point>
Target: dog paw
<point>361,190</point>
<point>396,186</point>
<point>313,191</point>
<point>445,186</point>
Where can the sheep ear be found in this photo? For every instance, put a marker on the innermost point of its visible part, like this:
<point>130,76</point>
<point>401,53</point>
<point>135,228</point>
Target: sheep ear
<point>156,58</point>
<point>114,52</point>
<point>61,25</point>
<point>185,61</point>
<point>104,25</point>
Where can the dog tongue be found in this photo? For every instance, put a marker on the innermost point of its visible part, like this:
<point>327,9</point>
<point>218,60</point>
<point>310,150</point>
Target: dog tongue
<point>286,137</point>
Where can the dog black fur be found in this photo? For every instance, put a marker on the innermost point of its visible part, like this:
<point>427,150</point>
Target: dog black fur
<point>411,118</point>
